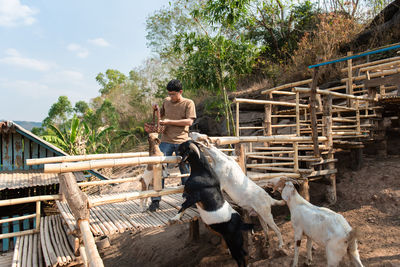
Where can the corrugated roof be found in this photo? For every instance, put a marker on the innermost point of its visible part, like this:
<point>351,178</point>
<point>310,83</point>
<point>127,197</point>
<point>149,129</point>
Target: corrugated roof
<point>21,179</point>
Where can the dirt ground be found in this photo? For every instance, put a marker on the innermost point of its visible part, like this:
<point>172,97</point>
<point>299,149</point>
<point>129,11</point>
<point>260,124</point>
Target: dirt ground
<point>369,199</point>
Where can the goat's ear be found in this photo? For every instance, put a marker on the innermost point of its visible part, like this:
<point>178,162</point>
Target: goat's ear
<point>247,227</point>
<point>279,185</point>
<point>194,147</point>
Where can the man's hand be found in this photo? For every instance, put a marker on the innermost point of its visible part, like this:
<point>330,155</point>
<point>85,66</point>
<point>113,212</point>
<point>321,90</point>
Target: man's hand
<point>165,122</point>
<point>155,106</point>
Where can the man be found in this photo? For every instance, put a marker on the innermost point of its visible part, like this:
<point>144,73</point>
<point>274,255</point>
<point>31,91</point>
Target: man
<point>177,113</point>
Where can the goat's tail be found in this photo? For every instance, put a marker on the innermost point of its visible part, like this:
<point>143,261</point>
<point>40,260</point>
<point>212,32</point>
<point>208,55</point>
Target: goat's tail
<point>352,249</point>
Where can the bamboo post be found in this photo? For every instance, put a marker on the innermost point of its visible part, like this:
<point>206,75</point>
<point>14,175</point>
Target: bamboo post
<point>357,106</point>
<point>157,177</point>
<point>327,115</point>
<point>92,253</point>
<point>313,111</point>
<point>349,82</point>
<point>38,216</point>
<point>240,153</point>
<point>237,119</point>
<point>297,114</point>
<point>296,157</point>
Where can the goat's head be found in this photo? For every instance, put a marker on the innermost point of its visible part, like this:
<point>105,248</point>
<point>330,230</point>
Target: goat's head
<point>189,149</point>
<point>153,139</point>
<point>203,138</point>
<point>278,183</point>
<point>288,191</point>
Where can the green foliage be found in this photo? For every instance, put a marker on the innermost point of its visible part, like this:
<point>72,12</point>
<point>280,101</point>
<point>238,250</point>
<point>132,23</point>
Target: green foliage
<point>59,111</point>
<point>68,139</point>
<point>110,80</point>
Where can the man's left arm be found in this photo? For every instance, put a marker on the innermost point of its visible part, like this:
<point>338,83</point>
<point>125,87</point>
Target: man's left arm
<point>190,116</point>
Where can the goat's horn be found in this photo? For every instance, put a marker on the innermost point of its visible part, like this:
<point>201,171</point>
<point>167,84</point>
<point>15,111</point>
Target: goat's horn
<point>195,149</point>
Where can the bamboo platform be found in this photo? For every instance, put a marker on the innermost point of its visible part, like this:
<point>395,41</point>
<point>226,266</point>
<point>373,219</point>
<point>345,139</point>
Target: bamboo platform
<point>50,247</point>
<point>110,219</point>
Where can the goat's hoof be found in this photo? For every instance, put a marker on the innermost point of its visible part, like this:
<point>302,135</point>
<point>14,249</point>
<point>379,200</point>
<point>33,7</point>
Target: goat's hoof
<point>172,221</point>
<point>308,263</point>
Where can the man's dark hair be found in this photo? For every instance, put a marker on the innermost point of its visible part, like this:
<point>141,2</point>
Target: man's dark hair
<point>174,85</point>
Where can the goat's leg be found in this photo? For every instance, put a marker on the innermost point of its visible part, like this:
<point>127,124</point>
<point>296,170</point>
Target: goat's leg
<point>143,201</point>
<point>353,253</point>
<point>190,201</point>
<point>269,221</point>
<point>335,252</point>
<point>309,250</point>
<point>298,234</point>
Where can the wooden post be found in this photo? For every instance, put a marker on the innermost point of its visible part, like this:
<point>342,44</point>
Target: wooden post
<point>240,153</point>
<point>313,113</point>
<point>194,231</point>
<point>327,119</point>
<point>349,82</point>
<point>296,157</point>
<point>237,120</point>
<point>79,205</point>
<point>157,177</point>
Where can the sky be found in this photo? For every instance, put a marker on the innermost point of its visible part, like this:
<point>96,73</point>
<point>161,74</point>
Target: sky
<point>50,48</point>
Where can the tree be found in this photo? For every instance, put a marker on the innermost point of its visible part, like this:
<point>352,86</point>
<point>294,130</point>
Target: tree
<point>59,112</point>
<point>70,139</point>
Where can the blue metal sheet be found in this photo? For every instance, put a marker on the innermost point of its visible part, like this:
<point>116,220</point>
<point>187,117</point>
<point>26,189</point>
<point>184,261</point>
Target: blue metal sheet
<point>27,152</point>
<point>7,152</point>
<point>42,154</point>
<point>6,241</point>
<point>35,153</point>
<point>17,147</point>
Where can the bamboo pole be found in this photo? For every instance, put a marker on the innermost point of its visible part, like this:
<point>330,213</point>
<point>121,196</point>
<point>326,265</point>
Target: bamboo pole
<point>237,120</point>
<point>331,191</point>
<point>134,195</point>
<point>288,85</point>
<point>112,181</point>
<point>37,215</point>
<point>16,201</point>
<point>157,177</point>
<point>372,63</point>
<point>20,218</point>
<point>263,102</point>
<point>325,92</point>
<point>313,93</point>
<point>261,176</point>
<point>349,82</point>
<point>357,107</point>
<point>282,93</point>
<point>274,138</point>
<point>107,163</point>
<point>94,258</point>
<point>297,113</point>
<point>374,75</point>
<point>85,157</point>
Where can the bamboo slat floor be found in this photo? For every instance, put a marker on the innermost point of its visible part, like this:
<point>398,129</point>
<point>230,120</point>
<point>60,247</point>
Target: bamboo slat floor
<point>116,218</point>
<point>50,247</point>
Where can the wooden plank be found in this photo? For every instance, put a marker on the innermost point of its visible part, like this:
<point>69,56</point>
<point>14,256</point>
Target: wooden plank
<point>27,152</point>
<point>42,154</point>
<point>393,79</point>
<point>7,152</point>
<point>17,147</point>
<point>323,172</point>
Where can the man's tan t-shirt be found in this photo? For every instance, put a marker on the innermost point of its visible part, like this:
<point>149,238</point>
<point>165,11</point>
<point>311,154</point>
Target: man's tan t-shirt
<point>184,109</point>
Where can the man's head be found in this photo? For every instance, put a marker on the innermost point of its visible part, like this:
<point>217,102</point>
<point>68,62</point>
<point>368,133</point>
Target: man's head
<point>174,88</point>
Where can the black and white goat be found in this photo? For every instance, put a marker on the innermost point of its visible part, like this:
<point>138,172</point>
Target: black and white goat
<point>242,190</point>
<point>321,225</point>
<point>203,189</point>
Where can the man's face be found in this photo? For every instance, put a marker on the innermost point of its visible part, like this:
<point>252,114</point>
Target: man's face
<point>175,96</point>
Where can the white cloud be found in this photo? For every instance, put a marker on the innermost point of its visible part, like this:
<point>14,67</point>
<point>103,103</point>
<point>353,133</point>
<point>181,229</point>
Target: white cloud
<point>13,13</point>
<point>80,51</point>
<point>14,58</point>
<point>99,42</point>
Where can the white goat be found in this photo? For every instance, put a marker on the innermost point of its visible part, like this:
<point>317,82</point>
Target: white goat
<point>147,177</point>
<point>322,225</point>
<point>242,190</point>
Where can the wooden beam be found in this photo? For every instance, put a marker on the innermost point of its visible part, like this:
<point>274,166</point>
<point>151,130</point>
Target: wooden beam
<point>313,106</point>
